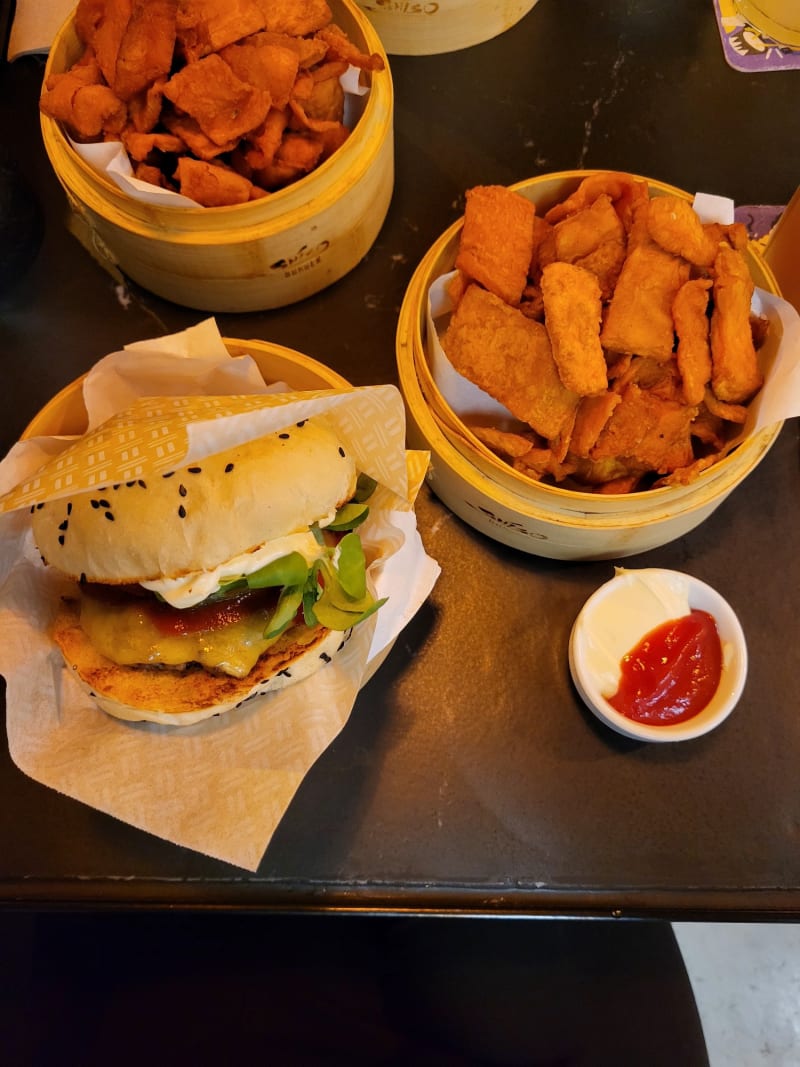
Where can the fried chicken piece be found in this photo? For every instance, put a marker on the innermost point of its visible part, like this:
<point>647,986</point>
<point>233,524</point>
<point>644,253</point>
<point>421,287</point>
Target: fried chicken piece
<point>509,356</point>
<point>676,227</point>
<point>735,374</point>
<point>689,313</point>
<point>595,239</point>
<point>639,316</point>
<point>572,309</point>
<point>650,433</point>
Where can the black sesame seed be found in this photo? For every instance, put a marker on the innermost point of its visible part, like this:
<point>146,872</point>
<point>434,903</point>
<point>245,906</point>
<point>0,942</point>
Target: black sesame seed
<point>301,424</point>
<point>324,657</point>
<point>194,470</point>
<point>95,503</point>
<point>61,539</point>
<point>40,506</point>
<point>130,485</point>
<point>168,474</point>
<point>228,468</point>
<point>109,515</point>
<point>285,672</point>
<point>182,490</point>
<point>182,512</point>
<point>283,436</point>
<point>32,509</point>
<point>341,646</point>
<point>63,525</point>
<point>141,483</point>
<point>116,486</point>
<point>69,508</point>
<point>341,451</point>
<point>104,503</point>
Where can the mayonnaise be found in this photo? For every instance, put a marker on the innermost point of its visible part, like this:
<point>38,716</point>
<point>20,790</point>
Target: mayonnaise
<point>193,588</point>
<point>638,602</point>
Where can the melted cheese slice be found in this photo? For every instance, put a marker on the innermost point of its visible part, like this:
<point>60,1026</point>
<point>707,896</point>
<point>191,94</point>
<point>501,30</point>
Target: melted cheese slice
<point>125,634</point>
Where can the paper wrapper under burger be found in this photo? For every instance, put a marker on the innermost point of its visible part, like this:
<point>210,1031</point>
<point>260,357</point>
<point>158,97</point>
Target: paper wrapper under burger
<point>220,786</point>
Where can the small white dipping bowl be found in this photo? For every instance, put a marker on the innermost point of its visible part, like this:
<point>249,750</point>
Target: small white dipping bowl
<point>615,618</point>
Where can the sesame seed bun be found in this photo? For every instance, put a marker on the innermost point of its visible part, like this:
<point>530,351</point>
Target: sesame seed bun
<point>196,518</point>
<point>200,515</point>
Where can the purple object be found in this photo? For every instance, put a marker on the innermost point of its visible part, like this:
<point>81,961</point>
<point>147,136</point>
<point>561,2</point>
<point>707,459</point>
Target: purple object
<point>749,50</point>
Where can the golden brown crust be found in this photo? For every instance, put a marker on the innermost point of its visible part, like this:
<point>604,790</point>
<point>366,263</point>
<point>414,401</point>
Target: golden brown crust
<point>167,695</point>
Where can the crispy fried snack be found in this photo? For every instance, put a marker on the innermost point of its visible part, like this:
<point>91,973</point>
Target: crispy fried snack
<point>510,357</point>
<point>632,352</point>
<point>639,316</point>
<point>212,184</point>
<point>690,314</point>
<point>497,240</point>
<point>673,224</point>
<point>572,310</point>
<point>735,374</point>
<point>251,85</point>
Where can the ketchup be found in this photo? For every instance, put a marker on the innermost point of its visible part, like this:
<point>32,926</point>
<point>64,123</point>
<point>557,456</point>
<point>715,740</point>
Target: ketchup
<point>672,673</point>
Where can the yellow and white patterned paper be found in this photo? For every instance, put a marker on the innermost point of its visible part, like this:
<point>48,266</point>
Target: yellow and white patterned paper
<point>221,786</point>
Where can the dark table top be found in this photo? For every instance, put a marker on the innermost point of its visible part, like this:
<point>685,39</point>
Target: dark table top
<point>469,775</point>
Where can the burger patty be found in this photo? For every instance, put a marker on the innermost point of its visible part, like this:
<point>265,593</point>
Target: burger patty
<point>132,627</point>
<point>181,693</point>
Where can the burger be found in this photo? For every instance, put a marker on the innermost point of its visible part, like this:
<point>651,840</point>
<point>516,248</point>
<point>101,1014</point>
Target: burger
<point>199,588</point>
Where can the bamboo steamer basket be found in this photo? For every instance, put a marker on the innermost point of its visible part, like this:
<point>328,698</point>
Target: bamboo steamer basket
<point>247,257</point>
<point>432,27</point>
<point>509,507</point>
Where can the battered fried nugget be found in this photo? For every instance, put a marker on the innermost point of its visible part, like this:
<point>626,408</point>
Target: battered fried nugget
<point>617,186</point>
<point>689,313</point>
<point>735,374</point>
<point>267,66</point>
<point>510,358</point>
<point>595,239</point>
<point>213,185</point>
<point>497,240</point>
<point>206,26</point>
<point>224,107</point>
<point>340,46</point>
<point>146,48</point>
<point>675,226</point>
<point>592,415</point>
<point>639,317</point>
<point>648,432</point>
<point>300,18</point>
<point>571,298</point>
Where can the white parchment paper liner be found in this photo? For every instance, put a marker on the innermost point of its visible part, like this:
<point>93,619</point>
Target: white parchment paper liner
<point>219,787</point>
<point>779,398</point>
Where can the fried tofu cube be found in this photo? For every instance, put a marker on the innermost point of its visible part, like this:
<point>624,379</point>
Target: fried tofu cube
<point>572,311</point>
<point>497,240</point>
<point>509,356</point>
<point>735,374</point>
<point>639,317</point>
